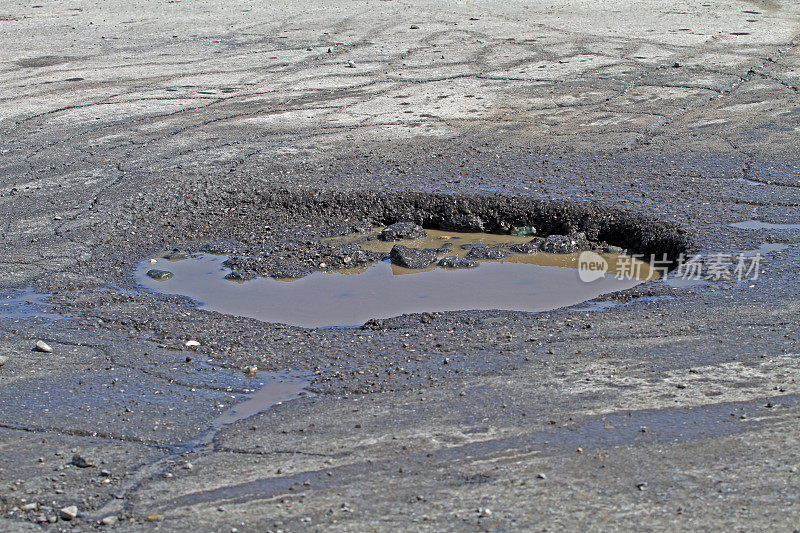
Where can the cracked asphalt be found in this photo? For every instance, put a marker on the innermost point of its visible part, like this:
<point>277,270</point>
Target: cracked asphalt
<point>130,128</point>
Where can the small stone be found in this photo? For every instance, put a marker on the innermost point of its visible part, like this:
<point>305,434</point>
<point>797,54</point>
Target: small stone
<point>565,244</point>
<point>412,257</point>
<point>485,512</point>
<point>159,275</point>
<point>250,370</point>
<point>457,262</point>
<point>237,275</point>
<point>68,513</point>
<point>42,346</point>
<point>413,27</point>
<point>153,261</point>
<point>176,256</point>
<point>541,476</point>
<point>30,506</point>
<point>3,359</point>
<point>641,486</point>
<point>522,231</point>
<point>109,520</point>
<point>105,473</point>
<point>191,343</point>
<point>481,251</point>
<point>81,462</point>
<point>402,230</point>
<point>613,249</point>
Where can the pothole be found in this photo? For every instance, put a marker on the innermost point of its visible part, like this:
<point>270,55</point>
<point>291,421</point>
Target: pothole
<point>436,272</point>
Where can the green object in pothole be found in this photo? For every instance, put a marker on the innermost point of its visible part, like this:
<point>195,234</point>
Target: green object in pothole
<point>521,231</point>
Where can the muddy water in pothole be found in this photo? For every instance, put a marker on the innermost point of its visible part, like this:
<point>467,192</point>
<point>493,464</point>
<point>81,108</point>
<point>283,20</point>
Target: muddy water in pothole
<point>521,282</point>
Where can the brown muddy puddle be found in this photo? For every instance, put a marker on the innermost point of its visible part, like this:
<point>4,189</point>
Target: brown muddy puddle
<point>350,297</point>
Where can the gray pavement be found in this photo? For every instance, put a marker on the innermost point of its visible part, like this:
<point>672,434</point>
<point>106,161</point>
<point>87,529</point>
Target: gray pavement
<point>131,127</point>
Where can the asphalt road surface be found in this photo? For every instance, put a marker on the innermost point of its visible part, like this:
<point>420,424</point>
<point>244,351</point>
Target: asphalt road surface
<point>261,128</point>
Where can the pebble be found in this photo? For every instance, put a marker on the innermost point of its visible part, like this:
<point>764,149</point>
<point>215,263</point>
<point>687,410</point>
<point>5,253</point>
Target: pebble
<point>176,256</point>
<point>481,251</point>
<point>68,513</point>
<point>413,258</point>
<point>402,230</point>
<point>565,244</point>
<point>81,462</point>
<point>457,262</point>
<point>42,346</point>
<point>191,343</point>
<point>159,275</point>
<point>109,520</point>
<point>3,359</point>
<point>30,506</point>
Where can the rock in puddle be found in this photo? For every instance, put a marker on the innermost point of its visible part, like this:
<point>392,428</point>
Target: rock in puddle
<point>42,346</point>
<point>159,275</point>
<point>176,256</point>
<point>481,251</point>
<point>412,257</point>
<point>402,230</point>
<point>565,244</point>
<point>457,262</point>
<point>238,275</point>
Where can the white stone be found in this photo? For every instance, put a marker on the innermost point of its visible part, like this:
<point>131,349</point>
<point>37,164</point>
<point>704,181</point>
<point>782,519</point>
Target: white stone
<point>42,346</point>
<point>191,343</point>
<point>68,513</point>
